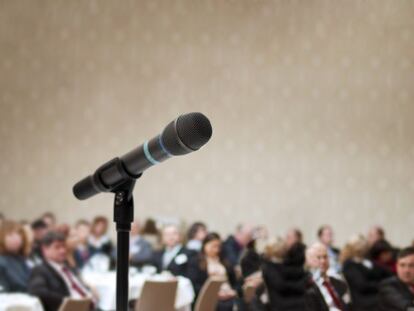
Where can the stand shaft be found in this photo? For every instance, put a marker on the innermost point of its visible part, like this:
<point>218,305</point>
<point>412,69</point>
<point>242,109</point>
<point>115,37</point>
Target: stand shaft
<point>122,277</point>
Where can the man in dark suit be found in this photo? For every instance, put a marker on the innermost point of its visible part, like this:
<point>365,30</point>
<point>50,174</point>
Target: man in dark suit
<point>397,293</point>
<point>325,293</point>
<point>174,257</point>
<point>235,244</point>
<point>52,281</point>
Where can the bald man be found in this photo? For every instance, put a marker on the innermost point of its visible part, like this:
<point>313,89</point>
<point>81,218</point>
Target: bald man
<point>325,293</point>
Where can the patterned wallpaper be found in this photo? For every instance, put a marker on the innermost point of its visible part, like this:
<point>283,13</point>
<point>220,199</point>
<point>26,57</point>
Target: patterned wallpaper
<point>311,103</point>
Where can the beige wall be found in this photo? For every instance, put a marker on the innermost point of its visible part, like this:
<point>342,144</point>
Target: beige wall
<point>311,104</point>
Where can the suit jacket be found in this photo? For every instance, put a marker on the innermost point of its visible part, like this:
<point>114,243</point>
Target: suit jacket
<point>363,284</point>
<point>48,286</point>
<point>394,295</point>
<point>232,251</point>
<point>178,265</point>
<point>316,302</point>
<point>14,274</point>
<point>286,285</point>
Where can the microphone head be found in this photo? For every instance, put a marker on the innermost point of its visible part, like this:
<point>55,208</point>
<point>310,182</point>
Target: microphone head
<point>189,132</point>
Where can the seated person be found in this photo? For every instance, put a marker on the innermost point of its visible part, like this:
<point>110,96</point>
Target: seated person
<point>284,275</point>
<point>81,250</point>
<point>325,293</point>
<point>99,241</point>
<point>397,293</point>
<point>39,230</point>
<point>174,256</point>
<point>140,250</point>
<point>14,249</point>
<point>208,263</point>
<point>195,235</point>
<point>53,280</point>
<point>382,253</point>
<point>326,237</point>
<point>362,275</point>
<point>236,244</point>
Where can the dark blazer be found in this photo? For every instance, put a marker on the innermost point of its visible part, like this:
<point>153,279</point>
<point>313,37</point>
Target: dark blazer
<point>48,286</point>
<point>199,275</point>
<point>363,284</point>
<point>316,302</point>
<point>232,251</point>
<point>14,274</point>
<point>286,285</point>
<point>176,268</point>
<point>394,295</point>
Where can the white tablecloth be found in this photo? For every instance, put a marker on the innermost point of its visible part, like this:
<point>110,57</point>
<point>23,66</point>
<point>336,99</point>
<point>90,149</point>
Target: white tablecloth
<point>105,284</point>
<point>11,302</point>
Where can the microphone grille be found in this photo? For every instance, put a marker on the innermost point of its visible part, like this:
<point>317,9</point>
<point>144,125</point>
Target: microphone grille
<point>194,129</point>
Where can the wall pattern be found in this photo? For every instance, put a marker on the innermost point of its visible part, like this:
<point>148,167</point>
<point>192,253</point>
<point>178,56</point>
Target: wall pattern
<point>311,103</point>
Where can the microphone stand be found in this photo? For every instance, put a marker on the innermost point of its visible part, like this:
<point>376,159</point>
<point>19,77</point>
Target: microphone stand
<point>123,217</point>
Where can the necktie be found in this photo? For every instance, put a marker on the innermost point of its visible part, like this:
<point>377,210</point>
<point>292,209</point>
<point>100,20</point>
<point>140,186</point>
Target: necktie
<point>332,293</point>
<point>72,282</point>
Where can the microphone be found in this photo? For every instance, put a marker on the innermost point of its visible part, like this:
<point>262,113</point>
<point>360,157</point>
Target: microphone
<point>187,133</point>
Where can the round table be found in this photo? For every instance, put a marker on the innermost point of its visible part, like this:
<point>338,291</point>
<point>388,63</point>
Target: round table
<point>10,302</point>
<point>105,285</point>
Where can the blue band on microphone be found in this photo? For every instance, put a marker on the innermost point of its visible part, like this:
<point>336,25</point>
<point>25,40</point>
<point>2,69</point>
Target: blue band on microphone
<point>163,147</point>
<point>148,154</point>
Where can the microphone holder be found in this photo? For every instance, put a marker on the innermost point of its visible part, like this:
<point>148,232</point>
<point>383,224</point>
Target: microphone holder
<point>123,217</point>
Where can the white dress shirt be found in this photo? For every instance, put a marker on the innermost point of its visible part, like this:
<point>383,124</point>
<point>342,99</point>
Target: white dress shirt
<point>73,293</point>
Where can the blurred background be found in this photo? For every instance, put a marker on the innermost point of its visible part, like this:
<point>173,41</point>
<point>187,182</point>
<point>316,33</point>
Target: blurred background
<point>311,104</point>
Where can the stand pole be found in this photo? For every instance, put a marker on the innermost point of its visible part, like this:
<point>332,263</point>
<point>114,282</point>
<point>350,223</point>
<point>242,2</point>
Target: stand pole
<point>123,217</point>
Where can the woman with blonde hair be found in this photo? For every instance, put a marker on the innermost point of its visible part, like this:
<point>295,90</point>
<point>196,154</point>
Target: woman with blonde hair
<point>363,276</point>
<point>14,249</point>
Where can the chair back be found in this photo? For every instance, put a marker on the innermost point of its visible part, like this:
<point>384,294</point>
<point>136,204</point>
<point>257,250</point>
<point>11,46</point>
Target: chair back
<point>249,292</point>
<point>208,297</point>
<point>76,305</point>
<point>157,295</point>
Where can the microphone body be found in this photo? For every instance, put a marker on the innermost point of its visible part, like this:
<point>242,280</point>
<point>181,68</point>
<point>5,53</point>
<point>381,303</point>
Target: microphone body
<point>185,134</point>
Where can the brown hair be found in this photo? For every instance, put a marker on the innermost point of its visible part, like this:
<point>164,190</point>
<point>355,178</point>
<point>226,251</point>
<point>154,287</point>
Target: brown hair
<point>8,227</point>
<point>97,220</point>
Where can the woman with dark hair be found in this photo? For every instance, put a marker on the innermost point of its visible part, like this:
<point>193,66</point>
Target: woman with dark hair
<point>195,236</point>
<point>14,249</point>
<point>208,263</point>
<point>99,241</point>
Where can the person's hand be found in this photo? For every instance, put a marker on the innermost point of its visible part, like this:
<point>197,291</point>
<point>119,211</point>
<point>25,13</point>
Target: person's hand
<point>226,294</point>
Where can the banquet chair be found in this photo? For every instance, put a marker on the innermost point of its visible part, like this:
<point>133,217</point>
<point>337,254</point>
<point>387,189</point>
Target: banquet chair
<point>76,305</point>
<point>208,297</point>
<point>157,295</point>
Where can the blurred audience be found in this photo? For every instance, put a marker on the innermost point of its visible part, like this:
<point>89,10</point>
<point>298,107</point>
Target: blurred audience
<point>39,229</point>
<point>173,257</point>
<point>285,276</point>
<point>326,237</point>
<point>53,280</point>
<point>209,263</point>
<point>81,250</point>
<point>151,233</point>
<point>195,236</point>
<point>235,244</point>
<point>293,236</point>
<point>49,219</point>
<point>14,250</point>
<point>375,233</point>
<point>397,293</point>
<point>325,293</point>
<point>99,241</point>
<point>382,253</point>
<point>363,275</point>
<point>140,250</point>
